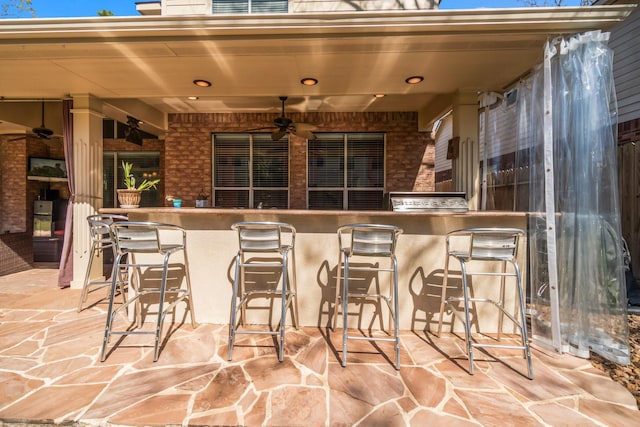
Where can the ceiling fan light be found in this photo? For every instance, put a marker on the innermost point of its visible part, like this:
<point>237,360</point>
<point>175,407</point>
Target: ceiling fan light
<point>309,81</point>
<point>414,80</point>
<point>202,83</point>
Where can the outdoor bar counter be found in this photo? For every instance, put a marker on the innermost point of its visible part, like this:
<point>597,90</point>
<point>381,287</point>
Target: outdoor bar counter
<point>212,245</point>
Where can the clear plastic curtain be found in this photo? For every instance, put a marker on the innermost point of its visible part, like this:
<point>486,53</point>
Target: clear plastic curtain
<point>567,124</point>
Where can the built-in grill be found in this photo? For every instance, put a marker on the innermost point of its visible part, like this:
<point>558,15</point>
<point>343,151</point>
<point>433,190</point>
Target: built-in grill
<point>426,201</point>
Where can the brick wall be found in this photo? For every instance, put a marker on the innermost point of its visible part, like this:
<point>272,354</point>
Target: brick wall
<point>410,154</point>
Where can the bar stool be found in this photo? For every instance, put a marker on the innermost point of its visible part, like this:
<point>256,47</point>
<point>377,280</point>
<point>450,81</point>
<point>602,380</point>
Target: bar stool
<point>144,240</point>
<point>100,242</point>
<point>264,247</point>
<point>486,245</point>
<point>360,242</point>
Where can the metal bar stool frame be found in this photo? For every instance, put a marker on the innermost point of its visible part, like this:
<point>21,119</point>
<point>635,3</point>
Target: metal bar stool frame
<point>101,241</point>
<point>131,238</point>
<point>261,239</point>
<point>366,241</point>
<point>492,245</point>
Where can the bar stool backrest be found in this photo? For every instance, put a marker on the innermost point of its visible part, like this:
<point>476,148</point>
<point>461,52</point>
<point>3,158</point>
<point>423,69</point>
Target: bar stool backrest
<point>371,239</point>
<point>136,237</point>
<point>498,244</point>
<point>262,236</point>
<point>99,227</point>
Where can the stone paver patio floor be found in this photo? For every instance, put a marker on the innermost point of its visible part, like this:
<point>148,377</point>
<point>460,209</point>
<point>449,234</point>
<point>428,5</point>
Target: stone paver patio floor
<point>50,373</point>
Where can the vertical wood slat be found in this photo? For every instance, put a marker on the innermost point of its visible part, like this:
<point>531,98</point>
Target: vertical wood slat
<point>629,189</point>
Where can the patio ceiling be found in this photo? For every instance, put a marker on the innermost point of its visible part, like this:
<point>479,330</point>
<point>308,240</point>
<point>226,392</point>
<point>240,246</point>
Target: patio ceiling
<point>145,66</point>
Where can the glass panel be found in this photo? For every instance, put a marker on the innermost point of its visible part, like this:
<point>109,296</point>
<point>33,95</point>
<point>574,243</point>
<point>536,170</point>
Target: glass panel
<point>365,200</point>
<point>365,160</point>
<point>319,199</point>
<point>269,6</point>
<point>231,164</point>
<point>146,165</point>
<point>271,199</point>
<point>270,162</point>
<point>326,161</point>
<point>108,180</point>
<point>232,198</point>
<point>230,6</point>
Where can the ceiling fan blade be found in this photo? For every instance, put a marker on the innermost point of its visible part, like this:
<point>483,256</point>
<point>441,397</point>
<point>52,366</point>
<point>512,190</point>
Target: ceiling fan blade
<point>304,134</point>
<point>278,134</point>
<point>261,128</point>
<point>303,130</point>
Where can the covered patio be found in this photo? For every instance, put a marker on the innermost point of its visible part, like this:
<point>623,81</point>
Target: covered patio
<point>50,373</point>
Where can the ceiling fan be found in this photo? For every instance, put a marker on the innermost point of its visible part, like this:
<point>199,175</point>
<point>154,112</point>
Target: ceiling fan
<point>42,132</point>
<point>284,125</point>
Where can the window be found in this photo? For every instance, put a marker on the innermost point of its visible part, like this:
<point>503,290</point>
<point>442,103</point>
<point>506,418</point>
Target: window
<point>250,171</point>
<point>146,164</point>
<point>249,6</point>
<point>346,171</point>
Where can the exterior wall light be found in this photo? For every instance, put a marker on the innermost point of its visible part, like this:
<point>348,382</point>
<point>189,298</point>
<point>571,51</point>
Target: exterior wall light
<point>414,80</point>
<point>379,95</point>
<point>202,83</point>
<point>309,81</point>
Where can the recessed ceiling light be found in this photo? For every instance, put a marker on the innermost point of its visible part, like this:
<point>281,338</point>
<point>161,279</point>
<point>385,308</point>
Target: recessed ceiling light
<point>309,81</point>
<point>414,80</point>
<point>192,98</point>
<point>202,83</point>
<point>379,95</point>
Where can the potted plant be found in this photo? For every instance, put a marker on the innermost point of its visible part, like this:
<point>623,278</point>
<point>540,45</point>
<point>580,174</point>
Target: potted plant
<point>129,197</point>
<point>202,199</point>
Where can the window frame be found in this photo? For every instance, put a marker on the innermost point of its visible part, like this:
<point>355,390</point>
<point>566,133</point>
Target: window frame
<point>345,189</point>
<point>251,189</point>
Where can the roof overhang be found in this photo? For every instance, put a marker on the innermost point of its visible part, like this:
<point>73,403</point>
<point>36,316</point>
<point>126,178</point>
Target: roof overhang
<point>253,59</point>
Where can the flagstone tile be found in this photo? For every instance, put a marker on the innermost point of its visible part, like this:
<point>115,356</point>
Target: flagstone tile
<point>490,408</point>
<point>90,374</point>
<point>140,385</point>
<point>268,373</point>
<point>56,369</point>
<point>345,409</point>
<point>18,364</point>
<point>25,348</point>
<point>609,414</point>
<point>601,387</point>
<point>50,403</point>
<point>388,415</point>
<point>314,356</point>
<point>295,405</point>
<point>365,383</point>
<point>555,415</point>
<point>256,414</point>
<point>157,410</point>
<point>427,388</point>
<point>427,417</point>
<point>226,388</point>
<point>13,386</point>
<point>222,418</point>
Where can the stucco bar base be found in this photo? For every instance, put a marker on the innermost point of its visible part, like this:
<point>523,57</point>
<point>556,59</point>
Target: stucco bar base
<point>212,246</point>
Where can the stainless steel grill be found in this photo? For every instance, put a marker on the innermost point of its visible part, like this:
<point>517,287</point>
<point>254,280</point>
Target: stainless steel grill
<point>426,202</point>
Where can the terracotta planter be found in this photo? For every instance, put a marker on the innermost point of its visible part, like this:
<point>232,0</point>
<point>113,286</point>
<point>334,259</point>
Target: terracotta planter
<point>129,198</point>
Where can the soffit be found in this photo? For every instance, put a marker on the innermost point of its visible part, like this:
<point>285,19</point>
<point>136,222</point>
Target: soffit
<point>251,60</point>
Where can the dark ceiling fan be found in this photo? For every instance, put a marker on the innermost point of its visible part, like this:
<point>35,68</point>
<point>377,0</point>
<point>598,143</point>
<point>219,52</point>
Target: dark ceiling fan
<point>42,132</point>
<point>284,125</point>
